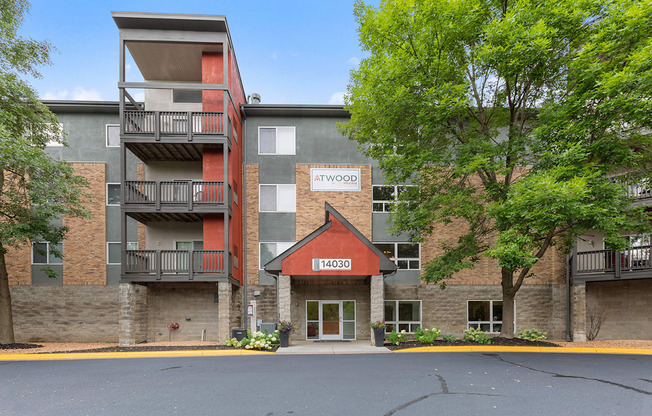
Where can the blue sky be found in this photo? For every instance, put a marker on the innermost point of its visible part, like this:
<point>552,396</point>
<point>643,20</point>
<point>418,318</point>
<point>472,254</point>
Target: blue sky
<point>290,52</point>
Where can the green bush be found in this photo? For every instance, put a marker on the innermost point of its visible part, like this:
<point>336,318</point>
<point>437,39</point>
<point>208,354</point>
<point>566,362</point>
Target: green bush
<point>477,335</point>
<point>450,338</point>
<point>532,335</point>
<point>255,341</point>
<point>427,336</point>
<point>396,338</point>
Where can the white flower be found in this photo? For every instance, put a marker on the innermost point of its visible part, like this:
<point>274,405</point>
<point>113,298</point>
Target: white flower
<point>403,331</point>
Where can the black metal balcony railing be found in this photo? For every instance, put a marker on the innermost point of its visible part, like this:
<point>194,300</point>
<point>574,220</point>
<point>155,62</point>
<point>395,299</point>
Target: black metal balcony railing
<point>165,193</point>
<point>162,263</point>
<point>173,122</point>
<point>616,262</point>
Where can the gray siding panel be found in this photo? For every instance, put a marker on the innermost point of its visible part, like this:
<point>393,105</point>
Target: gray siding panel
<point>277,226</point>
<point>39,278</point>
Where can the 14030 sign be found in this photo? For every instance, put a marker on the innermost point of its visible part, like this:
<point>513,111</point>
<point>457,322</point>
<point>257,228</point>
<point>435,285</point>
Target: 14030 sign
<point>331,264</point>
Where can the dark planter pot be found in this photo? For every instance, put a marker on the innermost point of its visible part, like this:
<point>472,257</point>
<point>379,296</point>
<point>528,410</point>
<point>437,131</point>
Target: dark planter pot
<point>284,338</point>
<point>379,336</point>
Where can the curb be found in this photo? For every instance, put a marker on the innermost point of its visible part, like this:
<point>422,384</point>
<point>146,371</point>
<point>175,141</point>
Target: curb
<point>140,354</point>
<point>640,351</point>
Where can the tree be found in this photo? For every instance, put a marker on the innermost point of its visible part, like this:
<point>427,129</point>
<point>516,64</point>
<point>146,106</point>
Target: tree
<point>35,189</point>
<point>511,118</point>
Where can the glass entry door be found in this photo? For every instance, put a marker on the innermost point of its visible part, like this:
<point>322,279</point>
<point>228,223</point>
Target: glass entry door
<point>331,318</point>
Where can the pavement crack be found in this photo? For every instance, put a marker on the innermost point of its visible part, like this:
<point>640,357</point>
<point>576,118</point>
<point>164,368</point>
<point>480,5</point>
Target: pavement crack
<point>170,368</point>
<point>444,391</point>
<point>645,379</point>
<point>599,380</point>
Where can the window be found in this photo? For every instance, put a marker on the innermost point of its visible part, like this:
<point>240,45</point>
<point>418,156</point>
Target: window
<point>278,198</point>
<point>486,315</point>
<point>405,255</point>
<point>55,136</point>
<point>114,252</point>
<point>235,256</point>
<point>276,141</point>
<point>112,194</point>
<point>268,251</point>
<point>44,253</point>
<point>112,135</point>
<point>402,315</point>
<point>384,196</point>
<point>187,96</point>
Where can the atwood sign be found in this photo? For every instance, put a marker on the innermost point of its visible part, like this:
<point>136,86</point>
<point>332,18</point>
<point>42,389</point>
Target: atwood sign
<point>334,179</point>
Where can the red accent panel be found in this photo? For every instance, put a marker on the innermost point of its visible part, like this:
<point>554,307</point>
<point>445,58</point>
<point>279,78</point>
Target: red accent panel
<point>211,73</point>
<point>338,242</point>
<point>213,232</point>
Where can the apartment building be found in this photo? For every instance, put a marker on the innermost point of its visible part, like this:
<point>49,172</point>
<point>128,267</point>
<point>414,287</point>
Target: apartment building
<point>215,213</point>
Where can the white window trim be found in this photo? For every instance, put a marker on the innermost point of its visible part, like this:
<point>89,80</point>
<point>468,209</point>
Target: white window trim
<point>491,307</point>
<point>107,134</point>
<point>397,322</point>
<point>260,265</point>
<point>396,259</point>
<point>383,201</point>
<point>52,143</point>
<point>278,154</point>
<point>47,254</point>
<point>277,184</point>
<point>118,242</point>
<point>107,194</point>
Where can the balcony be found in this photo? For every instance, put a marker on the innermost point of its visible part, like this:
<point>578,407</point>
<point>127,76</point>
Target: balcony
<point>176,266</point>
<point>173,135</point>
<point>176,200</point>
<point>597,265</point>
<point>642,194</point>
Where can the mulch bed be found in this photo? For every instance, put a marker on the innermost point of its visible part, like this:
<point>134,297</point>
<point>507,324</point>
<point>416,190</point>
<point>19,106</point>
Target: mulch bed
<point>496,341</point>
<point>18,346</point>
<point>145,348</point>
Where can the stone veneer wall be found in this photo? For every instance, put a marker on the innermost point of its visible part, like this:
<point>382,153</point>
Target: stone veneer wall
<point>174,302</point>
<point>628,305</point>
<point>265,302</point>
<point>447,309</point>
<point>84,249</point>
<point>65,313</point>
<point>303,292</point>
<point>354,206</point>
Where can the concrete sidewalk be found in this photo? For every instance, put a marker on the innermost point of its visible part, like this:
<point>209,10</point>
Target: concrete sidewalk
<point>333,347</point>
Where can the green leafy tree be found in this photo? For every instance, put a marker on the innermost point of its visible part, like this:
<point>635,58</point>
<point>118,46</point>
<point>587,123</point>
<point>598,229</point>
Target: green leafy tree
<point>510,117</point>
<point>35,189</point>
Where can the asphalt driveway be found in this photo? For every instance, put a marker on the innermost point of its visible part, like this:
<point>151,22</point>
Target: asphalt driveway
<point>384,384</point>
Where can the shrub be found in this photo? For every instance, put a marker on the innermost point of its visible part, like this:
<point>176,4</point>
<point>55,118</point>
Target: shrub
<point>532,335</point>
<point>377,325</point>
<point>450,338</point>
<point>255,341</point>
<point>477,335</point>
<point>396,338</point>
<point>427,336</point>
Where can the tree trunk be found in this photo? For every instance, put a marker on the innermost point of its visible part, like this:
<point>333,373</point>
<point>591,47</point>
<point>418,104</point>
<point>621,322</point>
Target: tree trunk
<point>507,329</point>
<point>6,317</point>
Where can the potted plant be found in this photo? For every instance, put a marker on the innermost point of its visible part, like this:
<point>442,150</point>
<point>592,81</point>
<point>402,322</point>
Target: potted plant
<point>284,329</point>
<point>378,328</point>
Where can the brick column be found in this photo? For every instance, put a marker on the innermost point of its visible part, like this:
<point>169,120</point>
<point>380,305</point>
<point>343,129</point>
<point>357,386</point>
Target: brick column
<point>377,302</point>
<point>133,314</point>
<point>224,292</point>
<point>284,297</point>
<point>578,312</point>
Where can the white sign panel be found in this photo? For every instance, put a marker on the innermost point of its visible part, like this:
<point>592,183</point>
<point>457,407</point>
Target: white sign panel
<point>331,264</point>
<point>322,179</point>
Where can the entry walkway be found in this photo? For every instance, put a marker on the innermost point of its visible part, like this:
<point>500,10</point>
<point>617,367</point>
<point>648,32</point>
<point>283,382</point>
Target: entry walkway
<point>332,347</point>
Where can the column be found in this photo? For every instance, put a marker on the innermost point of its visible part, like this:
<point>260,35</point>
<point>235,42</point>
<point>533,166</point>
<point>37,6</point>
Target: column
<point>133,314</point>
<point>377,301</point>
<point>578,312</point>
<point>224,291</point>
<point>284,297</point>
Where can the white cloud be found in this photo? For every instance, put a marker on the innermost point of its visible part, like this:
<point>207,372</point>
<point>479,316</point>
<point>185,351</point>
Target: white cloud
<point>337,98</point>
<point>274,55</point>
<point>353,61</point>
<point>56,95</point>
<point>82,94</point>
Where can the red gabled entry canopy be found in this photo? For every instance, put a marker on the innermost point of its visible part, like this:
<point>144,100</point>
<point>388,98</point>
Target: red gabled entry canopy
<point>336,248</point>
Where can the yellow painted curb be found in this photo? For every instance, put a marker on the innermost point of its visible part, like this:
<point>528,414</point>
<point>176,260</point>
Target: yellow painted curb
<point>642,351</point>
<point>139,354</point>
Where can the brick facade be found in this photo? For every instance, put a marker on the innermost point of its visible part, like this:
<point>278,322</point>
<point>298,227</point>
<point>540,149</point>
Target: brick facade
<point>84,249</point>
<point>354,206</point>
<point>252,221</point>
<point>19,262</point>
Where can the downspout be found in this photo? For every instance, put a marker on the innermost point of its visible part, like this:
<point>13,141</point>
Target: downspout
<point>568,299</point>
<point>243,250</point>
